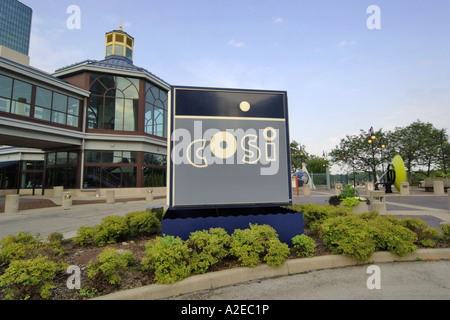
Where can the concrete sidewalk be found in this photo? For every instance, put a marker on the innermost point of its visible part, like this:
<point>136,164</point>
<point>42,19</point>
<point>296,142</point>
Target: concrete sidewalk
<point>55,219</point>
<point>45,220</point>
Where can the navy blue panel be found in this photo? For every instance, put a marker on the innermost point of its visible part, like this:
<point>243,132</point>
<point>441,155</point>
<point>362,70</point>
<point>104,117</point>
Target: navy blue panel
<point>204,102</point>
<point>181,223</point>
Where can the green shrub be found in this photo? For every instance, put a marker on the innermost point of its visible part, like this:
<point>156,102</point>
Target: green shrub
<point>304,246</point>
<point>358,236</point>
<point>315,214</point>
<point>413,224</point>
<point>252,246</point>
<point>109,264</point>
<point>347,192</point>
<point>348,236</point>
<point>446,230</point>
<point>276,253</point>
<point>20,246</point>
<point>334,200</point>
<point>142,223</point>
<point>85,236</point>
<point>169,257</point>
<point>426,235</point>
<point>350,202</point>
<point>110,230</point>
<point>25,278</point>
<point>208,248</point>
<point>391,236</point>
<point>54,246</point>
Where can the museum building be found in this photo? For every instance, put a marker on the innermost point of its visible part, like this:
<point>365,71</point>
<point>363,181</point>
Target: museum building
<point>91,125</point>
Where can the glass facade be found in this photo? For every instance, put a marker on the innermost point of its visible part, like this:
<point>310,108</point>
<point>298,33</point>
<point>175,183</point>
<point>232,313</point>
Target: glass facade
<point>16,98</point>
<point>155,111</point>
<point>120,169</point>
<point>15,25</point>
<point>114,103</point>
<point>32,173</point>
<point>154,170</point>
<point>56,107</point>
<point>61,169</point>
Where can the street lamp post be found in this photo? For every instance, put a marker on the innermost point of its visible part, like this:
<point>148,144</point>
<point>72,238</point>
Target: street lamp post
<point>442,151</point>
<point>327,170</point>
<point>371,139</point>
<point>382,146</point>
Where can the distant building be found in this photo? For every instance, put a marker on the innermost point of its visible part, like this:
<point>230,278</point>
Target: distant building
<point>15,30</point>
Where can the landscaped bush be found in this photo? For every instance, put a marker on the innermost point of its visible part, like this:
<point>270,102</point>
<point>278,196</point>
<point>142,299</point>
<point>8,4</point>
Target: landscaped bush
<point>85,236</point>
<point>426,235</point>
<point>315,214</point>
<point>391,236</point>
<point>350,202</point>
<point>53,248</point>
<point>25,278</point>
<point>26,246</point>
<point>208,248</point>
<point>110,230</point>
<point>109,264</point>
<point>256,244</point>
<point>304,246</point>
<point>142,223</point>
<point>446,230</point>
<point>334,200</point>
<point>15,247</point>
<point>114,228</point>
<point>169,258</point>
<point>359,236</point>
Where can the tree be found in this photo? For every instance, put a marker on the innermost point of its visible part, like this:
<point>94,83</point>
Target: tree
<point>298,155</point>
<point>418,144</point>
<point>316,164</point>
<point>357,153</point>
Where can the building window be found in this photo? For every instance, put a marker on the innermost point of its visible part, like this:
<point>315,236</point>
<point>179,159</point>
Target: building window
<point>32,173</point>
<point>56,107</point>
<point>5,93</point>
<point>114,103</point>
<point>155,170</point>
<point>110,169</point>
<point>15,96</point>
<point>155,111</point>
<point>21,99</point>
<point>61,169</point>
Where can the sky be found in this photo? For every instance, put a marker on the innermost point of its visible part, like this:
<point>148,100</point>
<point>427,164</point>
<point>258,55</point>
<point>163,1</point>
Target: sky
<point>341,74</point>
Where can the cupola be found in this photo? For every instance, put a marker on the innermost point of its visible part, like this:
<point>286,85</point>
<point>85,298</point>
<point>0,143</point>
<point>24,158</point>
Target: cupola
<point>119,43</point>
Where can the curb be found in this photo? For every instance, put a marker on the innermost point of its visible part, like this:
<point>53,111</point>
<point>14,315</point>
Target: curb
<point>228,277</point>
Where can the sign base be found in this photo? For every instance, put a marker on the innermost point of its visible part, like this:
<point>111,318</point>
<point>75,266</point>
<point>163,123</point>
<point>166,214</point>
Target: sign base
<point>181,222</point>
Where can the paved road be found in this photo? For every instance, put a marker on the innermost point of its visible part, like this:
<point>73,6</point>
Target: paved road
<point>421,280</point>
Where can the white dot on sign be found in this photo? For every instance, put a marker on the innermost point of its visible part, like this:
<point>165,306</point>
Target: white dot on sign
<point>244,106</point>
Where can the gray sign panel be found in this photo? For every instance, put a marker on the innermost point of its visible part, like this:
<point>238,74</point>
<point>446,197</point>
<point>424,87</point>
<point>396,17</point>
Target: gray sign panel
<point>228,147</point>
